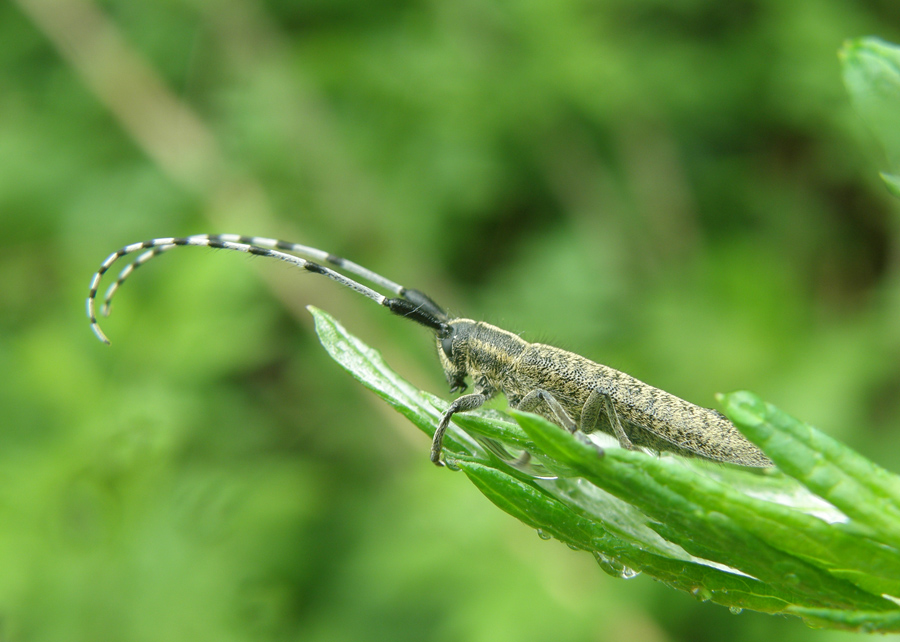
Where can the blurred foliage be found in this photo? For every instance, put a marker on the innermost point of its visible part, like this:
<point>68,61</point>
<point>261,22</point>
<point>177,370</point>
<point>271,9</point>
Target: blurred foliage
<point>872,75</point>
<point>680,190</point>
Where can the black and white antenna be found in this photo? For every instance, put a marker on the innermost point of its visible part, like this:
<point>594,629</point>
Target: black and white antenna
<point>406,302</point>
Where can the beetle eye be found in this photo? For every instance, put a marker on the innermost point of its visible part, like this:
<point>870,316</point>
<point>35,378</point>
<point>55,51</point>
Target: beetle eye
<point>447,346</point>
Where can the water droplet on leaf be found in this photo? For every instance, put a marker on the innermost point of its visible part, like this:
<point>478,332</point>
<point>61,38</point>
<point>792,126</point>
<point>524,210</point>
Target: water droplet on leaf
<point>701,593</point>
<point>614,567</point>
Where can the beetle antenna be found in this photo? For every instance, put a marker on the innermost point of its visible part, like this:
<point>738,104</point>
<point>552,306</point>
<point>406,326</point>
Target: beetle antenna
<point>409,303</point>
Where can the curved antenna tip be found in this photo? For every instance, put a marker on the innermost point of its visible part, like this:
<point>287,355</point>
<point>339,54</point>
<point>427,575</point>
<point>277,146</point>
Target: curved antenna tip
<point>94,325</point>
<point>99,333</point>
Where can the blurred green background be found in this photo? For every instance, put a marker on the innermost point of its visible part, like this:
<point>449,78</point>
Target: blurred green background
<point>678,189</point>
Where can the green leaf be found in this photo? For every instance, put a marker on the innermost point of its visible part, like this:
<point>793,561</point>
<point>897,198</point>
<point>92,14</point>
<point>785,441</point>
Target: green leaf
<point>861,621</point>
<point>859,488</point>
<point>819,542</point>
<point>872,76</point>
<point>893,183</point>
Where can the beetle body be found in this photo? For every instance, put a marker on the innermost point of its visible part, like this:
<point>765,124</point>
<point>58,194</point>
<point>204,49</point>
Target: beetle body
<point>566,388</point>
<point>590,396</point>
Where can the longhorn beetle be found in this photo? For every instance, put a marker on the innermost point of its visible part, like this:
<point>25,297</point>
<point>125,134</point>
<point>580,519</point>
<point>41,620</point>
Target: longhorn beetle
<point>566,388</point>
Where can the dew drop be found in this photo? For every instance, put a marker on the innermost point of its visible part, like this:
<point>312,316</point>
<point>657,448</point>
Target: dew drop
<point>543,535</point>
<point>614,567</point>
<point>735,610</point>
<point>701,593</point>
<point>628,573</point>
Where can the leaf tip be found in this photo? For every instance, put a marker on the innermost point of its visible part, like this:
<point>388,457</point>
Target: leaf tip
<point>893,183</point>
<point>743,407</point>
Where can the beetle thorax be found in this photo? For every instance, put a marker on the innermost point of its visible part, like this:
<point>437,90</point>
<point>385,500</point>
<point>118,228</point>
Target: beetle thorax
<point>478,350</point>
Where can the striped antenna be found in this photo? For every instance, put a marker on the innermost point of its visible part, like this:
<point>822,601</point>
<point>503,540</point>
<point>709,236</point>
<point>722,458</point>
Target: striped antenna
<point>409,303</point>
<point>127,271</point>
